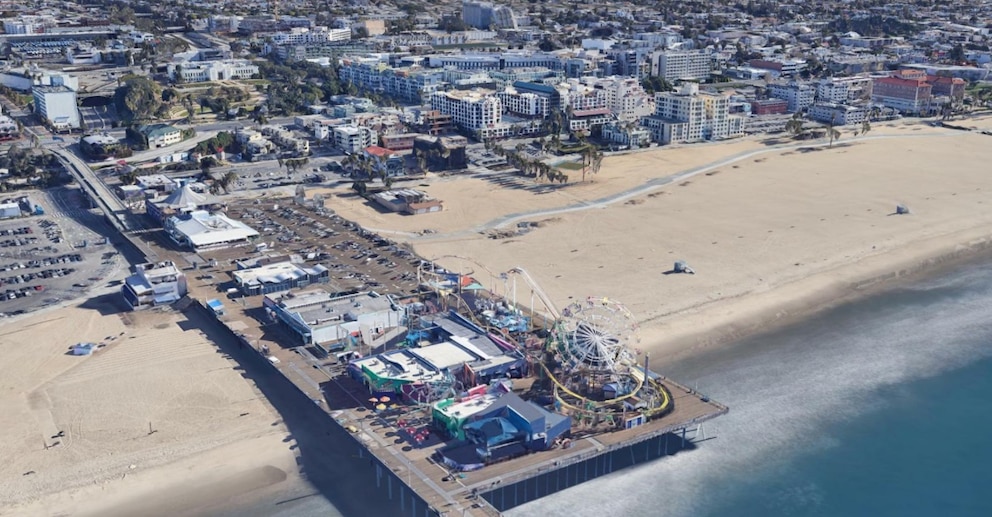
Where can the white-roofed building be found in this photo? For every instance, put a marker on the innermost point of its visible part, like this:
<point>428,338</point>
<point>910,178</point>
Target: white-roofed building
<point>280,276</point>
<point>330,320</point>
<point>443,356</point>
<point>8,210</point>
<point>154,283</point>
<point>202,229</point>
<point>181,201</point>
<point>446,347</point>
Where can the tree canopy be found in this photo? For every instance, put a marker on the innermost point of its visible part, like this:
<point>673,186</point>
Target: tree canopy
<point>137,99</point>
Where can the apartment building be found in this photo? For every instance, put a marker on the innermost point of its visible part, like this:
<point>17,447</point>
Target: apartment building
<point>673,65</point>
<point>415,84</point>
<point>483,15</point>
<point>688,115</point>
<point>828,90</point>
<point>306,36</point>
<point>844,89</point>
<point>581,96</point>
<point>799,95</point>
<point>525,104</point>
<point>353,139</point>
<point>625,97</point>
<point>287,140</point>
<point>837,114</point>
<point>476,111</point>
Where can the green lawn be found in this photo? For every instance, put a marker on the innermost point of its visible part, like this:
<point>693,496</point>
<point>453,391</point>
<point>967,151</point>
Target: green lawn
<point>569,166</point>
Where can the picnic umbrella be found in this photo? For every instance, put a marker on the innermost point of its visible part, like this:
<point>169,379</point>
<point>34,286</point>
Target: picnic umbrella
<point>384,399</point>
<point>373,400</point>
<point>380,407</point>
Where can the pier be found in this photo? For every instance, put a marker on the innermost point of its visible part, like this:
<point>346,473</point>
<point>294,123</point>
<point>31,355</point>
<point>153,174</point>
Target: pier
<point>422,486</point>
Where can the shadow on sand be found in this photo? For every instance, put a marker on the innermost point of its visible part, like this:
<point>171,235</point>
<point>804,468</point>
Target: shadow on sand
<point>106,304</point>
<point>328,455</point>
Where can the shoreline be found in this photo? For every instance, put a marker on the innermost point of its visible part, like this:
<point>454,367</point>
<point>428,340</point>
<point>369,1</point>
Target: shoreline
<point>752,314</point>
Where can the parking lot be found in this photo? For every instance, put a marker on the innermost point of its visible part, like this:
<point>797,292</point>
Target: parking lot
<point>357,259</point>
<point>47,259</point>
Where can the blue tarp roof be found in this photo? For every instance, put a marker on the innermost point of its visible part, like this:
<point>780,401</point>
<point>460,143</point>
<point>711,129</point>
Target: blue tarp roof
<point>215,304</point>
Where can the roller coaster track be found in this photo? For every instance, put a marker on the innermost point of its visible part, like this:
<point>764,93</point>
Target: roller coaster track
<point>537,290</point>
<point>519,271</point>
<point>638,376</point>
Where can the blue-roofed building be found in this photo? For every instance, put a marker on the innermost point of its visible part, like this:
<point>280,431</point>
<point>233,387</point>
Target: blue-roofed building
<point>503,428</point>
<point>216,307</point>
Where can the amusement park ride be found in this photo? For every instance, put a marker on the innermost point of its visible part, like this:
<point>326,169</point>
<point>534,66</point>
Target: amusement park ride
<point>583,356</point>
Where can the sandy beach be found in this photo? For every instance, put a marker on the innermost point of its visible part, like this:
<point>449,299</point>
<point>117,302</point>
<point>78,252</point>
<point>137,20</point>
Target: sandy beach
<point>157,411</point>
<point>772,232</point>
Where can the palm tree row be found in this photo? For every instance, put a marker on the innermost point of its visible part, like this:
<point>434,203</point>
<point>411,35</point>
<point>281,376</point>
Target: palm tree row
<point>293,163</point>
<point>531,166</point>
<point>363,169</point>
<point>592,159</point>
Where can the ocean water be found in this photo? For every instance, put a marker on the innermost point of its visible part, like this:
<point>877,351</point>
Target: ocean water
<point>879,407</point>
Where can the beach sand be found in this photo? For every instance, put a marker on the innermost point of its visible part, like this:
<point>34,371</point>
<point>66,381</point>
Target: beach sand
<point>772,233</point>
<point>158,372</point>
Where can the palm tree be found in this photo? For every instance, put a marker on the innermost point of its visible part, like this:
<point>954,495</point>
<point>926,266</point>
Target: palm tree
<point>832,132</point>
<point>592,159</point>
<point>865,126</point>
<point>795,125</point>
<point>229,179</point>
<point>597,161</point>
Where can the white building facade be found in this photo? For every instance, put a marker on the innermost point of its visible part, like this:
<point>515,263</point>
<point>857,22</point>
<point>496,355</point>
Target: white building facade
<point>688,115</point>
<point>202,72</point>
<point>152,284</point>
<point>837,114</point>
<point>525,104</point>
<point>306,36</point>
<point>353,139</point>
<point>799,95</point>
<point>57,104</point>
<point>674,65</point>
<point>473,111</point>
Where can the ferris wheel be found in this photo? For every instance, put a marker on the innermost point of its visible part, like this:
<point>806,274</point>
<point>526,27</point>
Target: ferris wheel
<point>596,334</point>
